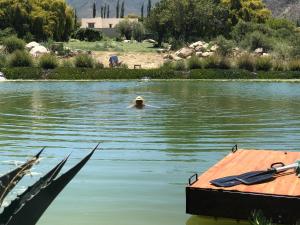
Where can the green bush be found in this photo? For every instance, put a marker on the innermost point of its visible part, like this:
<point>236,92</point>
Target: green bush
<point>167,65</point>
<point>294,65</point>
<point>7,32</point>
<point>180,65</point>
<point>2,60</point>
<point>211,62</point>
<point>20,59</point>
<point>88,34</point>
<point>30,73</point>
<point>256,40</point>
<point>263,63</point>
<point>279,65</point>
<point>99,65</point>
<point>48,61</point>
<point>225,46</point>
<point>194,63</point>
<point>66,63</point>
<point>124,28</point>
<point>216,62</point>
<point>138,31</point>
<point>13,43</point>
<point>246,61</point>
<point>84,60</point>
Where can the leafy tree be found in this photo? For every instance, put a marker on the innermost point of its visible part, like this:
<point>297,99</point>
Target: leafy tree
<point>138,31</point>
<point>45,19</point>
<point>125,28</point>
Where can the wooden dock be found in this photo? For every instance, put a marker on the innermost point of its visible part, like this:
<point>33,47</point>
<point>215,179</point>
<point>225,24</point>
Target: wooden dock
<point>278,199</point>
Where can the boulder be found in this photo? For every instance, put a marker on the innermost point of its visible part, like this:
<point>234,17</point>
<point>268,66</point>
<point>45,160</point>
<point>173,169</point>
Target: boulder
<point>126,41</point>
<point>207,54</point>
<point>197,44</point>
<point>31,45</point>
<point>38,50</point>
<point>161,50</point>
<point>199,48</point>
<point>185,52</point>
<point>265,54</point>
<point>214,48</point>
<point>150,41</point>
<point>199,54</point>
<point>259,51</point>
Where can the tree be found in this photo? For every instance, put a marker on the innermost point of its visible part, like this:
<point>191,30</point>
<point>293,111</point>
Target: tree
<point>94,10</point>
<point>138,31</point>
<point>149,8</point>
<point>142,12</point>
<point>122,10</point>
<point>43,19</point>
<point>108,12</point>
<point>102,12</point>
<point>118,9</point>
<point>125,29</point>
<point>105,8</point>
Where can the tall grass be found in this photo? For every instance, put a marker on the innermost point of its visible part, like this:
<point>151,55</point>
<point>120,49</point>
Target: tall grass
<point>48,61</point>
<point>263,63</point>
<point>20,59</point>
<point>13,43</point>
<point>294,65</point>
<point>194,63</point>
<point>246,62</point>
<point>84,61</point>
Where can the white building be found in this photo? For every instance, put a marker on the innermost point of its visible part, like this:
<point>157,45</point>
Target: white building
<point>106,25</point>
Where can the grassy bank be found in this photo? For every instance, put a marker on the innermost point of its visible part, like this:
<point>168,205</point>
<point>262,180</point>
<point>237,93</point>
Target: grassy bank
<point>111,45</point>
<point>35,73</point>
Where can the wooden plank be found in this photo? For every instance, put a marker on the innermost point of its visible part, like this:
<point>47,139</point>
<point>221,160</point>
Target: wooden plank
<point>250,160</point>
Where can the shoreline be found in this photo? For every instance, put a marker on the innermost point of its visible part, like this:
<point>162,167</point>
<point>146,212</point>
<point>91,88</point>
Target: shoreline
<point>94,74</point>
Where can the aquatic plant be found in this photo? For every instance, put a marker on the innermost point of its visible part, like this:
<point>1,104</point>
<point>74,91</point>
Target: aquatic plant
<point>28,207</point>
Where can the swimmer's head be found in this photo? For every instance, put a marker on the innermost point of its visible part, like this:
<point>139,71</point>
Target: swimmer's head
<point>139,101</point>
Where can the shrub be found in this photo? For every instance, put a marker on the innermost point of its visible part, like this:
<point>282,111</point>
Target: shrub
<point>294,65</point>
<point>224,63</point>
<point>167,65</point>
<point>66,63</point>
<point>138,31</point>
<point>99,65</point>
<point>263,63</point>
<point>246,61</point>
<point>2,60</point>
<point>124,28</point>
<point>180,65</point>
<point>84,60</point>
<point>211,62</point>
<point>194,63</point>
<point>88,34</point>
<point>257,40</point>
<point>225,46</point>
<point>59,49</point>
<point>13,43</point>
<point>7,32</point>
<point>48,61</point>
<point>279,65</point>
<point>20,59</point>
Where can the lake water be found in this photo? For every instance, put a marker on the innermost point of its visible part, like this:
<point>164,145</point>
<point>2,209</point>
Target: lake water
<point>147,156</point>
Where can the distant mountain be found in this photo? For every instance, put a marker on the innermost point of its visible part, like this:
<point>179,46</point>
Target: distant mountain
<point>285,8</point>
<point>280,8</point>
<point>84,7</point>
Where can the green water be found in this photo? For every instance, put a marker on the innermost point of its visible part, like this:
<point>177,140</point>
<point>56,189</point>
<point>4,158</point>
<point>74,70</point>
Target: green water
<point>140,174</point>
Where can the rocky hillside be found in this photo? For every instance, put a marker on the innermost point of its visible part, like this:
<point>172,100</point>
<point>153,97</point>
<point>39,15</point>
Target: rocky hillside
<point>285,8</point>
<point>280,8</point>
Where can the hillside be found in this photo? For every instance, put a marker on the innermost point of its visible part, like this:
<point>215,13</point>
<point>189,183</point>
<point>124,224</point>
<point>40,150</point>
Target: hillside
<point>84,7</point>
<point>280,8</point>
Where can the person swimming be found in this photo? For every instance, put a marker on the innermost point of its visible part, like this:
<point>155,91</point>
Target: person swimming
<point>139,103</point>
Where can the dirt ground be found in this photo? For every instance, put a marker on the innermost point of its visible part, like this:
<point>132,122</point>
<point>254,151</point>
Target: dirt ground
<point>147,60</point>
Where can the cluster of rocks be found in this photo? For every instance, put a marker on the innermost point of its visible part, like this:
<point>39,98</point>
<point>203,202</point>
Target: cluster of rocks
<point>199,48</point>
<point>36,49</point>
<point>261,52</point>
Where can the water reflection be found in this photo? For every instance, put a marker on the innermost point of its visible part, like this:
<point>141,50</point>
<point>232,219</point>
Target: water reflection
<point>140,175</point>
